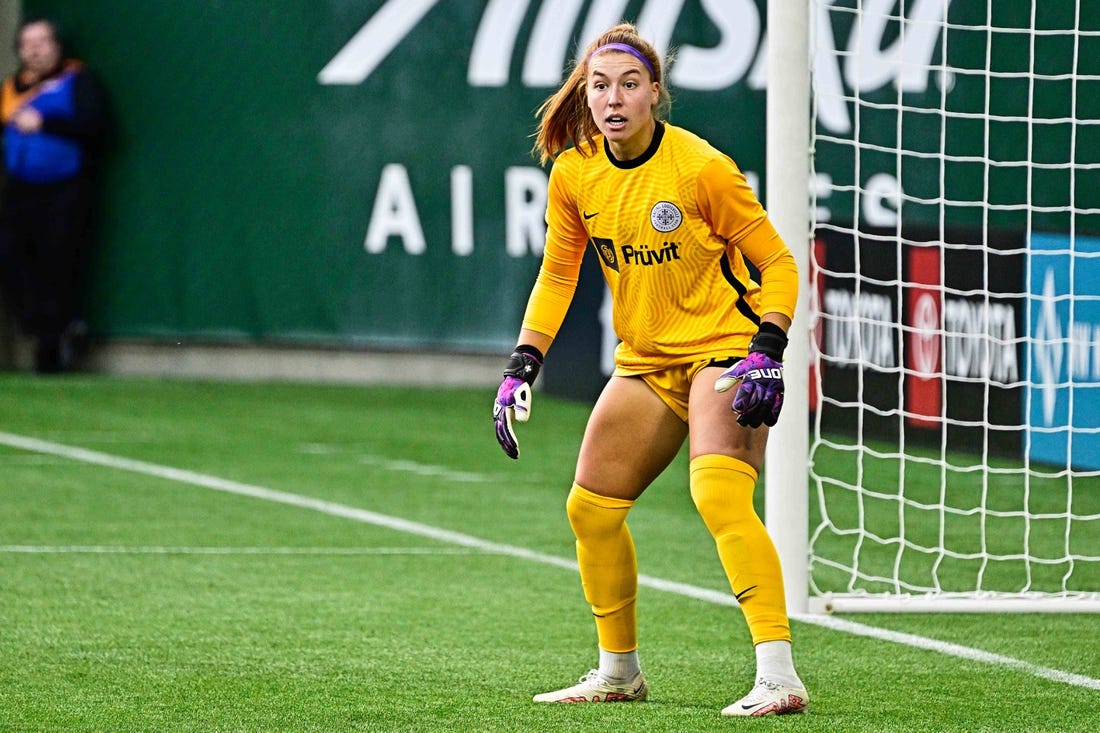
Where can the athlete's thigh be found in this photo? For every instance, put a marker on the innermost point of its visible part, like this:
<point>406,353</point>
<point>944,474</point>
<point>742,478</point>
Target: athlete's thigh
<point>713,424</point>
<point>631,437</point>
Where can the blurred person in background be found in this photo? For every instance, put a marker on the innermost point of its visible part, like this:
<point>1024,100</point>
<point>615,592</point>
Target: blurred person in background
<point>675,224</point>
<point>54,116</point>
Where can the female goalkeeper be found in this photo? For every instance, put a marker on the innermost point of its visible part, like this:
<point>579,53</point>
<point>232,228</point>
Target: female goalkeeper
<point>673,222</point>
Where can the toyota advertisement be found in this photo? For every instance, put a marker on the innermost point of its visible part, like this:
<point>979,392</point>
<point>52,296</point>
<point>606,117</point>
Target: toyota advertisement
<point>965,339</point>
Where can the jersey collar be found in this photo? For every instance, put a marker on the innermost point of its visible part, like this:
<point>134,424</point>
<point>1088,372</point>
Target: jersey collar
<point>658,133</point>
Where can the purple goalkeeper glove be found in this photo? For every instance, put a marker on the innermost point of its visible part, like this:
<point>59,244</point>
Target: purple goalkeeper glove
<point>513,402</point>
<point>759,379</point>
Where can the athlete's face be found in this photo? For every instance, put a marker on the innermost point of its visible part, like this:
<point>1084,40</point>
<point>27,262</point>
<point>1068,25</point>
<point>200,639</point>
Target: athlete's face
<point>621,97</point>
<point>38,49</point>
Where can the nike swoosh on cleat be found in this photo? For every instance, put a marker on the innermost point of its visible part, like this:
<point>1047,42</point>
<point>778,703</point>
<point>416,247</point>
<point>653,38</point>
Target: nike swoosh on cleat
<point>792,704</point>
<point>589,216</point>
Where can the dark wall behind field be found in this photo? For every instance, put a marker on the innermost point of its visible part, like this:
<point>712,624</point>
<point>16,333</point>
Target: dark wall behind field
<point>271,178</point>
<point>241,190</point>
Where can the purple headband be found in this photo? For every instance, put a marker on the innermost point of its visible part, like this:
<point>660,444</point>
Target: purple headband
<point>626,48</point>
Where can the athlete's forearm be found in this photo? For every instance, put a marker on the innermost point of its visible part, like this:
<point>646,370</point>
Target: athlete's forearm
<point>778,319</point>
<point>540,341</point>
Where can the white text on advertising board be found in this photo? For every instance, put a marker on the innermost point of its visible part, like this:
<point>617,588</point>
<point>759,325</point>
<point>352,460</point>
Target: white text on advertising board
<point>739,55</point>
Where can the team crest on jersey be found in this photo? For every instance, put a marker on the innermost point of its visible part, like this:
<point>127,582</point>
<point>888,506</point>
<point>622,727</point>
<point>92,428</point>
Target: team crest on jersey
<point>605,248</point>
<point>665,216</point>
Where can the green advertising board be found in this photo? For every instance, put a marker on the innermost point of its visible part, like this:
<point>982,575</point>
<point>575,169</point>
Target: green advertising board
<point>358,172</point>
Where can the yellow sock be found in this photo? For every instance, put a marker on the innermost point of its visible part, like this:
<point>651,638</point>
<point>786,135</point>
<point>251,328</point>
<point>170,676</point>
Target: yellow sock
<point>608,565</point>
<point>722,490</point>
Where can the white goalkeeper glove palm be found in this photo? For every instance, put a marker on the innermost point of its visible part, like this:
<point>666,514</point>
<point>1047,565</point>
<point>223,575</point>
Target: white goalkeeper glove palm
<point>513,402</point>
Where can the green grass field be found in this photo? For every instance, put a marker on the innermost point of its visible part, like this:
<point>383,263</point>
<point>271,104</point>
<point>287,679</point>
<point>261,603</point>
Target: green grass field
<point>185,556</point>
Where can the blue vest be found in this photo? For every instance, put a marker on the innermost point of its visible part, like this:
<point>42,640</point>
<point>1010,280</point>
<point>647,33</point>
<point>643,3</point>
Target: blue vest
<point>40,157</point>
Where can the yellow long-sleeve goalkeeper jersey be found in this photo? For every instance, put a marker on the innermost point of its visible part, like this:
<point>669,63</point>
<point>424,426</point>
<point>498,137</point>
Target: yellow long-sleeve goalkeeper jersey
<point>672,229</point>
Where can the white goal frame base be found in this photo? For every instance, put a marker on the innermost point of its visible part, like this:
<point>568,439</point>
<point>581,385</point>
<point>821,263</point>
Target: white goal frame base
<point>991,603</point>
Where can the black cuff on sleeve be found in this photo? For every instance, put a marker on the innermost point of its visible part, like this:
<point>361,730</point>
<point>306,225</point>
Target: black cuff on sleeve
<point>770,340</point>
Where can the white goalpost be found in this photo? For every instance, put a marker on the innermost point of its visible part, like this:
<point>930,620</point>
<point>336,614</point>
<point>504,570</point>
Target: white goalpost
<point>788,163</point>
<point>940,160</point>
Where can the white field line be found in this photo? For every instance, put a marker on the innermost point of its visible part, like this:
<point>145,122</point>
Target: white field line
<point>184,550</point>
<point>468,541</point>
<point>954,650</point>
<point>423,469</point>
<point>389,464</point>
<point>30,459</point>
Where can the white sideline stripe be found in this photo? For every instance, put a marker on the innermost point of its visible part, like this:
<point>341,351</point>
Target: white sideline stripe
<point>955,650</point>
<point>464,540</point>
<point>184,550</point>
<point>279,497</point>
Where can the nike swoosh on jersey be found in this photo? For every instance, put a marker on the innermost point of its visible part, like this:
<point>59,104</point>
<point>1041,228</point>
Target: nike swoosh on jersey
<point>589,216</point>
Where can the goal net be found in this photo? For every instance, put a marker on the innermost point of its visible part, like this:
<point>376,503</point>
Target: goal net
<point>955,320</point>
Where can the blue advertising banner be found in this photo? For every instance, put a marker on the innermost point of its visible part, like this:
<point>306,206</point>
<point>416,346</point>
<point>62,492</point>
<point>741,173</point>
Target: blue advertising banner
<point>1062,405</point>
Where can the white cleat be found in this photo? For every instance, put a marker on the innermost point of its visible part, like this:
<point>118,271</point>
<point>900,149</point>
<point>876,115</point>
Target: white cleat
<point>769,698</point>
<point>592,688</point>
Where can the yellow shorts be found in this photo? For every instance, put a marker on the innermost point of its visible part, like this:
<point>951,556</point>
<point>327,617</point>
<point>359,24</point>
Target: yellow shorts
<point>673,384</point>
